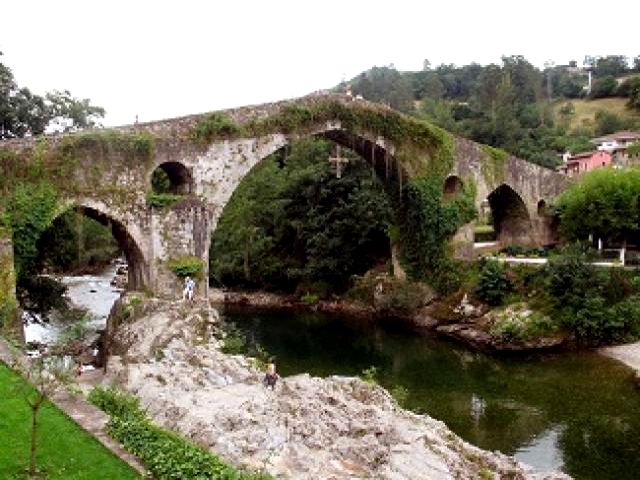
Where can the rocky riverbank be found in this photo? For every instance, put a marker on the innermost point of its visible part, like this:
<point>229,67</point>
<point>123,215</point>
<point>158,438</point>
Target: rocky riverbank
<point>627,354</point>
<point>463,320</point>
<point>308,428</point>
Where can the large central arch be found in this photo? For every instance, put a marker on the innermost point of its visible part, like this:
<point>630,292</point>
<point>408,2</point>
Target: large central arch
<point>377,153</point>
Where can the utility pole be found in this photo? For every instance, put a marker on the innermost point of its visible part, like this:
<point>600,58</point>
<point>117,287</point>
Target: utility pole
<point>548,65</point>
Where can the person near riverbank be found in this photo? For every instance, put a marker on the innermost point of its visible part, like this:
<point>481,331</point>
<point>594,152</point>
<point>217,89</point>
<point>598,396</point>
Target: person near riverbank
<point>271,376</point>
<point>189,287</point>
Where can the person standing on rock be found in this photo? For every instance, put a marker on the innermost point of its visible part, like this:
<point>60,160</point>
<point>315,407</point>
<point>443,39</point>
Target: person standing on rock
<point>271,376</point>
<point>189,287</point>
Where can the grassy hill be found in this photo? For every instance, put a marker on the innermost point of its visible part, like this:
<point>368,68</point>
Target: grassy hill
<point>585,110</point>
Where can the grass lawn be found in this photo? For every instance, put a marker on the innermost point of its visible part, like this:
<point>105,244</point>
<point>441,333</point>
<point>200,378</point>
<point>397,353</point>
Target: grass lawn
<point>65,450</point>
<point>586,109</point>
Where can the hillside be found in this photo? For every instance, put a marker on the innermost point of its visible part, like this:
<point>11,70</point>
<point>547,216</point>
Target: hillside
<point>585,110</point>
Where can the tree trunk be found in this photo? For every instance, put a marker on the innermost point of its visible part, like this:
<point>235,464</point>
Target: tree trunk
<point>34,429</point>
<point>246,259</point>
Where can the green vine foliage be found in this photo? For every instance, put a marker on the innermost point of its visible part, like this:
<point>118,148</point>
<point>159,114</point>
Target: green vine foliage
<point>8,304</point>
<point>493,164</point>
<point>427,223</point>
<point>29,212</point>
<point>409,134</point>
<point>163,200</point>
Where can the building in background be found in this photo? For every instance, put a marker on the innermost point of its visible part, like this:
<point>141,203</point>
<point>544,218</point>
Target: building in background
<point>575,165</point>
<point>616,144</point>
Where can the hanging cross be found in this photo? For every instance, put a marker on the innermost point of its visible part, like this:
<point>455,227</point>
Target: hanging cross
<point>338,162</point>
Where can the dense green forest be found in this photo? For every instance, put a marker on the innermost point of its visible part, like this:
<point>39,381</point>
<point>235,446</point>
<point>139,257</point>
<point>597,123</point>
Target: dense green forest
<point>514,105</point>
<point>292,225</point>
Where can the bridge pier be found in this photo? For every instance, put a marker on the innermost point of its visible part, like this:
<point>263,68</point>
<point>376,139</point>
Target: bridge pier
<point>179,236</point>
<point>462,242</point>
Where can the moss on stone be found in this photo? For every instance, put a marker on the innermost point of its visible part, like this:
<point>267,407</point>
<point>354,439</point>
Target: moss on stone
<point>419,145</point>
<point>493,165</point>
<point>8,302</point>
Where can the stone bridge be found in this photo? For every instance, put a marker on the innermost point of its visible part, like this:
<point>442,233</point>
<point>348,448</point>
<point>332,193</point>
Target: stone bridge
<point>107,175</point>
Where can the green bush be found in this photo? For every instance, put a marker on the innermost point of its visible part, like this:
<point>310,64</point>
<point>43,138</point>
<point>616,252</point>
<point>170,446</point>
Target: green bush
<point>518,323</point>
<point>216,125</point>
<point>400,394</point>
<point>235,343</point>
<point>165,454</point>
<point>116,403</point>
<point>186,266</point>
<point>597,323</point>
<point>162,200</point>
<point>493,284</point>
<point>571,279</point>
<point>369,375</point>
<point>402,297</point>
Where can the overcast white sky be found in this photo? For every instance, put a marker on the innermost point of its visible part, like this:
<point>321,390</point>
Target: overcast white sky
<point>161,59</point>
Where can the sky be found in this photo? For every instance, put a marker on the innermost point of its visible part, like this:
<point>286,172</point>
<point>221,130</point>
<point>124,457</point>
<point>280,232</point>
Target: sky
<point>162,59</point>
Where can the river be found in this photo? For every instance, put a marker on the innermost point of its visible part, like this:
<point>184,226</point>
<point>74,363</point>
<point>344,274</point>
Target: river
<point>576,412</point>
<point>91,292</point>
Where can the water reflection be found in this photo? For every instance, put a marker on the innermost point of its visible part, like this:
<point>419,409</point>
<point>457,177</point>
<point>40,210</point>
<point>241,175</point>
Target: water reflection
<point>575,411</point>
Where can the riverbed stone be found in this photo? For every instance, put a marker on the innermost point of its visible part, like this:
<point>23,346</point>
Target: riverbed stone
<point>308,428</point>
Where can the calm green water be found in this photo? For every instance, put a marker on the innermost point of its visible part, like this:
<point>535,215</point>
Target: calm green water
<point>578,412</point>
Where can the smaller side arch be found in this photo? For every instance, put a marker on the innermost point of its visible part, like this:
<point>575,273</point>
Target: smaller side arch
<point>542,208</point>
<point>453,186</point>
<point>511,219</point>
<point>128,241</point>
<point>172,177</point>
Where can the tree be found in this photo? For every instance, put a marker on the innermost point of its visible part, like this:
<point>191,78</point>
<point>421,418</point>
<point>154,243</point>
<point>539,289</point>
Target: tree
<point>433,87</point>
<point>633,150</point>
<point>607,122</point>
<point>614,65</point>
<point>23,112</point>
<point>604,87</point>
<point>634,95</point>
<point>44,376</point>
<point>386,85</point>
<point>604,203</point>
<point>83,114</point>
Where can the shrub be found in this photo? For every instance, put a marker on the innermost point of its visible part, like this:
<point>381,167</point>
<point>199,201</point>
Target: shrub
<point>493,284</point>
<point>42,294</point>
<point>235,343</point>
<point>519,323</point>
<point>216,125</point>
<point>597,323</point>
<point>369,375</point>
<point>116,403</point>
<point>402,297</point>
<point>186,266</point>
<point>162,200</point>
<point>571,278</point>
<point>400,394</point>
